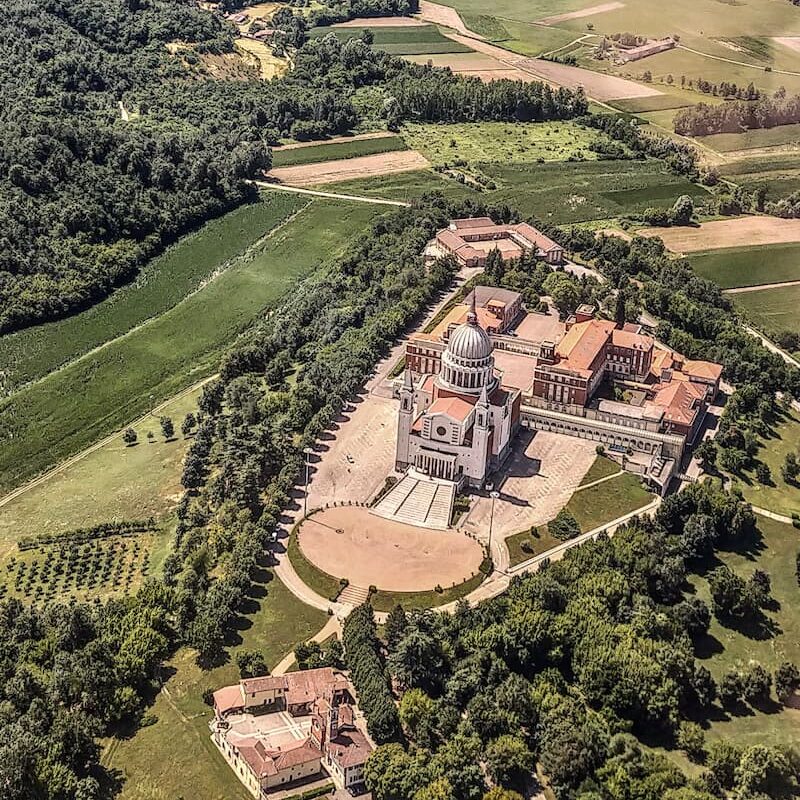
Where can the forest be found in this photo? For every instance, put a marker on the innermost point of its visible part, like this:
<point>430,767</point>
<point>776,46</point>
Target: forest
<point>738,116</point>
<point>87,197</point>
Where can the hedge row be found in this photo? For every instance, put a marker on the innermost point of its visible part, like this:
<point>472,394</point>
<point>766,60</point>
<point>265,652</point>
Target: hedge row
<point>79,535</point>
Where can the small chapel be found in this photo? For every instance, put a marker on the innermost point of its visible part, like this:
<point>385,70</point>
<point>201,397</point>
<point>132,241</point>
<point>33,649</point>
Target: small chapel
<point>459,424</point>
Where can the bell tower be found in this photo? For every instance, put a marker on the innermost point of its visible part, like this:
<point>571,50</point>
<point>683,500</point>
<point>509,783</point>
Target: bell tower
<point>405,418</point>
<point>482,433</point>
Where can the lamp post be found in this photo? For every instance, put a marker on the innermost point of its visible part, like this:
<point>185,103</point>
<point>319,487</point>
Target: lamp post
<point>494,495</point>
<point>307,453</point>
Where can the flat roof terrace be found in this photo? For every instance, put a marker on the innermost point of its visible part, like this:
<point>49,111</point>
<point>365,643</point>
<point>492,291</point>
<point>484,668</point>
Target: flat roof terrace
<point>536,327</point>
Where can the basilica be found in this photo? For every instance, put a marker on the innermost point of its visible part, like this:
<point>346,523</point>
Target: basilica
<point>459,424</point>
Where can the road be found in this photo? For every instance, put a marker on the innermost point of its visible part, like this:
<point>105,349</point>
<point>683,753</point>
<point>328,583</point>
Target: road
<point>378,201</point>
<point>771,346</point>
<point>759,287</point>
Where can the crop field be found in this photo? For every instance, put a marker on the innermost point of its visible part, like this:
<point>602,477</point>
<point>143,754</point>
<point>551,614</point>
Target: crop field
<point>162,283</point>
<point>779,136</point>
<point>658,102</point>
<point>399,40</point>
<point>727,233</point>
<point>349,168</point>
<point>317,153</point>
<point>773,550</point>
<point>772,309</point>
<point>98,393</point>
<point>749,266</point>
<point>500,141</point>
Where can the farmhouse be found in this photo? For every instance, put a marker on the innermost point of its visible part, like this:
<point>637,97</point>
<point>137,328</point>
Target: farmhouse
<point>277,730</point>
<point>470,241</point>
<point>490,367</point>
<point>625,54</point>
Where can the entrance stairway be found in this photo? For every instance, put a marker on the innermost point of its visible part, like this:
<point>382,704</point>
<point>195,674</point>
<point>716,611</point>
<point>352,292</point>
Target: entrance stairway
<point>353,595</point>
<point>419,500</point>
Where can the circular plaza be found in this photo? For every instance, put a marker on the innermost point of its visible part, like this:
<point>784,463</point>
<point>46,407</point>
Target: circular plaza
<point>350,542</point>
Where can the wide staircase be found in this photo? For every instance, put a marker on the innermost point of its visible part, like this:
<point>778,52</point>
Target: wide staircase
<point>419,500</point>
<point>353,595</point>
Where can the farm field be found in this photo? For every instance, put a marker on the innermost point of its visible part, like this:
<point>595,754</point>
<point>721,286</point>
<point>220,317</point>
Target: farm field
<point>780,497</point>
<point>398,40</point>
<point>100,392</point>
<point>561,193</point>
<point>726,233</point>
<point>112,482</point>
<point>161,284</point>
<point>748,266</point>
<point>500,141</point>
<point>779,136</point>
<point>349,168</point>
<point>315,153</point>
<point>773,550</point>
<point>174,756</point>
<point>772,309</point>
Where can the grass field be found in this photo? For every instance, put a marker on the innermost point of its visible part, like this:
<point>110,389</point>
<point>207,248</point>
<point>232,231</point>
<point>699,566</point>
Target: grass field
<point>780,497</point>
<point>500,141</point>
<point>113,482</point>
<point>748,266</point>
<point>591,507</point>
<point>161,284</point>
<point>602,467</point>
<point>260,55</point>
<point>561,193</point>
<point>174,757</point>
<point>336,150</point>
<point>97,394</point>
<point>401,40</point>
<point>657,102</point>
<point>386,601</point>
<point>772,309</point>
<point>774,551</point>
<point>779,136</point>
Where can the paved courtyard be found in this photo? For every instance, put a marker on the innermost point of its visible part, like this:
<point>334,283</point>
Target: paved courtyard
<point>352,543</point>
<point>539,478</point>
<point>278,730</point>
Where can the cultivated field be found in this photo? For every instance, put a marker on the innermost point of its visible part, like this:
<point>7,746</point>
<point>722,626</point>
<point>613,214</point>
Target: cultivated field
<point>749,266</point>
<point>443,15</point>
<point>380,22</point>
<point>162,284</point>
<point>728,233</point>
<point>779,136</point>
<point>772,309</point>
<point>350,542</point>
<point>315,153</point>
<point>349,168</point>
<point>601,8</point>
<point>500,141</point>
<point>98,393</point>
<point>403,40</point>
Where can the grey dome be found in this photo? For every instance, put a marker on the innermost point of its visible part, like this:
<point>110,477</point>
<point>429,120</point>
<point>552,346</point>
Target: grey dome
<point>469,342</point>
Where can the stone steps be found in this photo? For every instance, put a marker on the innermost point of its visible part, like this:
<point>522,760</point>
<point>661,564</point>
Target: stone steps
<point>418,501</point>
<point>353,595</point>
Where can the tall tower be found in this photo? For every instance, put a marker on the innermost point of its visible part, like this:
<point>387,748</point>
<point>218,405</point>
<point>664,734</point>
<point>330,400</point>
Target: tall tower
<point>405,418</point>
<point>480,438</point>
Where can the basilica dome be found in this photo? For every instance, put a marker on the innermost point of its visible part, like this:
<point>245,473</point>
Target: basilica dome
<point>467,362</point>
<point>469,342</point>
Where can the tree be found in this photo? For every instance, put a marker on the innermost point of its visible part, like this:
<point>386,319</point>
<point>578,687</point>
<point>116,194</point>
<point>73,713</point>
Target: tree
<point>691,740</point>
<point>416,712</point>
<point>707,454</point>
<point>731,688</point>
<point>396,623</point>
<point>251,664</point>
<point>129,436</point>
<point>167,428</point>
<point>790,468</point>
<point>188,424</point>
<point>564,526</point>
<point>393,774</point>
<point>564,290</point>
<point>756,683</point>
<point>787,680</point>
<point>682,210</point>
<point>762,769</point>
<point>722,759</point>
<point>508,760</point>
<point>763,475</point>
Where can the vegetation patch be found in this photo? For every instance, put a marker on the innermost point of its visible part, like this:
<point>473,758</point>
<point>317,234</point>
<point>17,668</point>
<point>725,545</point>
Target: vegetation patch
<point>336,150</point>
<point>779,136</point>
<point>386,601</point>
<point>490,28</point>
<point>772,310</point>
<point>323,584</point>
<point>601,467</point>
<point>748,266</point>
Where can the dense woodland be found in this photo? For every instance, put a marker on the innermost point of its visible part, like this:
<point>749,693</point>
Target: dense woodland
<point>86,198</point>
<point>575,666</point>
<point>766,112</point>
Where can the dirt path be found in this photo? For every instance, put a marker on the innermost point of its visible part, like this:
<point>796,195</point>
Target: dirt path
<point>335,140</point>
<point>569,44</point>
<point>335,195</point>
<point>444,15</point>
<point>738,63</point>
<point>772,347</point>
<point>584,12</point>
<point>97,445</point>
<point>758,288</point>
<point>333,627</point>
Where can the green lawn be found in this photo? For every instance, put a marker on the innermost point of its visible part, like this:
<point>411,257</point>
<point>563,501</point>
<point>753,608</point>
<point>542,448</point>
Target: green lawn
<point>591,507</point>
<point>320,581</point>
<point>335,150</point>
<point>774,551</point>
<point>112,482</point>
<point>748,266</point>
<point>161,285</point>
<point>772,309</point>
<point>502,142</point>
<point>780,497</point>
<point>386,601</point>
<point>602,467</point>
<point>399,40</point>
<point>69,409</point>
<point>174,757</point>
<point>779,136</point>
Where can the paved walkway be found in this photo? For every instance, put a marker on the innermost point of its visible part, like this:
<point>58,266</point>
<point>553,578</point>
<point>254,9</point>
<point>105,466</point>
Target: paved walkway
<point>378,201</point>
<point>772,515</point>
<point>333,627</point>
<point>771,346</point>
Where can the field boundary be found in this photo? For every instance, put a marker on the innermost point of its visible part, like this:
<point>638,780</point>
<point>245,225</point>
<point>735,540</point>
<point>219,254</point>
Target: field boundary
<point>759,287</point>
<point>380,201</point>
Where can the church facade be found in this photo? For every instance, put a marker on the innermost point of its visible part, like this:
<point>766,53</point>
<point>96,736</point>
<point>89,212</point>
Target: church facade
<point>458,424</point>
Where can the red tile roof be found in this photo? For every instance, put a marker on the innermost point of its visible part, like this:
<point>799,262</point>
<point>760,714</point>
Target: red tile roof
<point>471,222</point>
<point>349,748</point>
<point>453,407</point>
<point>582,344</point>
<point>228,698</point>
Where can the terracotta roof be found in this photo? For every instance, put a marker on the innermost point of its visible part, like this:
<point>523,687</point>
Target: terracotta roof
<point>631,340</point>
<point>583,343</point>
<point>264,762</point>
<point>491,294</point>
<point>349,749</point>
<point>228,698</point>
<point>679,399</point>
<point>471,222</point>
<point>265,683</point>
<point>307,685</point>
<point>453,407</point>
<point>535,236</point>
<point>703,369</point>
